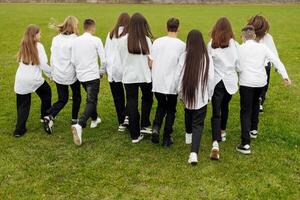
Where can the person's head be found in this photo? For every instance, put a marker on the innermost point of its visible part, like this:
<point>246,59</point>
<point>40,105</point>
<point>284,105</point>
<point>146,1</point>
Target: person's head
<point>123,21</point>
<point>195,67</point>
<point>221,33</point>
<point>260,24</point>
<point>89,25</point>
<point>248,33</point>
<point>28,53</point>
<point>138,31</point>
<point>173,25</point>
<point>68,27</point>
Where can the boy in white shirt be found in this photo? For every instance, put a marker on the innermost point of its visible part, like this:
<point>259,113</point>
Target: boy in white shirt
<point>85,52</point>
<point>252,79</point>
<point>166,52</point>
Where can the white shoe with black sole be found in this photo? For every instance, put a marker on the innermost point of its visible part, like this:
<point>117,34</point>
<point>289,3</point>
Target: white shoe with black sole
<point>193,158</point>
<point>48,124</point>
<point>77,134</point>
<point>253,134</point>
<point>146,130</point>
<point>244,149</point>
<point>135,141</point>
<point>94,123</point>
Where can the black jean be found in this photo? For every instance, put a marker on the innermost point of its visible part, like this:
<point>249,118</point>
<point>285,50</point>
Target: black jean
<point>265,89</point>
<point>249,103</point>
<point>166,107</point>
<point>90,110</point>
<point>63,98</point>
<point>195,120</point>
<point>24,102</point>
<point>220,102</point>
<point>117,90</point>
<point>132,95</point>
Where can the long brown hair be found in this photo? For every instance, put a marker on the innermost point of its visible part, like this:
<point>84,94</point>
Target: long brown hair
<point>260,24</point>
<point>68,27</point>
<point>123,21</point>
<point>138,31</point>
<point>221,33</point>
<point>28,52</point>
<point>195,68</point>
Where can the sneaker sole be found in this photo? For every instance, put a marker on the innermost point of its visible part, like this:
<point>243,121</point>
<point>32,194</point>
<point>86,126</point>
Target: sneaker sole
<point>245,152</point>
<point>76,139</point>
<point>146,132</point>
<point>193,163</point>
<point>253,136</point>
<point>214,155</point>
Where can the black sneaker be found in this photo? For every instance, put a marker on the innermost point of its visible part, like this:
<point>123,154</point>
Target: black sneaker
<point>48,124</point>
<point>155,136</point>
<point>167,142</point>
<point>19,133</point>
<point>244,149</point>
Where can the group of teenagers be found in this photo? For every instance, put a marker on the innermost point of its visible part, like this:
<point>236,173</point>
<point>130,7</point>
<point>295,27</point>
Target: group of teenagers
<point>167,67</point>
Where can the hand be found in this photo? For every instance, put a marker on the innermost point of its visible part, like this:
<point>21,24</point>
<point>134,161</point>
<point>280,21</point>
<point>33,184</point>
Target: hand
<point>101,76</point>
<point>287,82</point>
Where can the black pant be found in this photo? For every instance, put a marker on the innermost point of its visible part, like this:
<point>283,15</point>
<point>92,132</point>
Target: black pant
<point>195,120</point>
<point>265,89</point>
<point>132,95</point>
<point>90,110</point>
<point>166,107</point>
<point>249,103</point>
<point>220,101</point>
<point>118,93</point>
<point>63,97</point>
<point>24,102</point>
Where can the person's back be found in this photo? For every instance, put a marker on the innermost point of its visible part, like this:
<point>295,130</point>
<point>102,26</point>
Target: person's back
<point>166,52</point>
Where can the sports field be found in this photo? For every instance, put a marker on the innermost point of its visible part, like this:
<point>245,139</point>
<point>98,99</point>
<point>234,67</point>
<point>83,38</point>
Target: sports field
<point>107,165</point>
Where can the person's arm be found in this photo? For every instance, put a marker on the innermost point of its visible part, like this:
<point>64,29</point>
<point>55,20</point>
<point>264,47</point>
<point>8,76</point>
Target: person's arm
<point>278,65</point>
<point>149,56</point>
<point>44,61</point>
<point>51,51</point>
<point>210,80</point>
<point>179,74</point>
<point>237,63</point>
<point>101,54</point>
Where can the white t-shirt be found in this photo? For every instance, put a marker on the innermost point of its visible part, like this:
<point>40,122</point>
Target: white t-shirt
<point>63,71</point>
<point>225,64</point>
<point>29,77</point>
<point>85,52</point>
<point>252,56</point>
<point>269,42</point>
<point>201,99</point>
<point>114,68</point>
<point>136,67</point>
<point>166,52</point>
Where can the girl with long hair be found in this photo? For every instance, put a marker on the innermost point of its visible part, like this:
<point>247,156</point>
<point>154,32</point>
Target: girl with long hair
<point>114,68</point>
<point>223,49</point>
<point>196,87</point>
<point>63,71</point>
<point>134,51</point>
<point>32,60</point>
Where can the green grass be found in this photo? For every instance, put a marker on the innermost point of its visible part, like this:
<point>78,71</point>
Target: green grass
<point>108,166</point>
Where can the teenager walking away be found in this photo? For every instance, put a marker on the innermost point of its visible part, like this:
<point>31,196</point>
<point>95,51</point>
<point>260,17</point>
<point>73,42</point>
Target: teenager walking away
<point>196,87</point>
<point>63,71</point>
<point>223,49</point>
<point>114,68</point>
<point>166,52</point>
<point>32,60</point>
<point>134,50</point>
<point>261,26</point>
<point>85,52</point>
<point>252,80</point>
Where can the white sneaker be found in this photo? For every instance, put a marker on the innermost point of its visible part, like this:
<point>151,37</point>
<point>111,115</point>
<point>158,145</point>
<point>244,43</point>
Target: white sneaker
<point>94,123</point>
<point>138,139</point>
<point>253,134</point>
<point>48,124</point>
<point>146,130</point>
<point>121,128</point>
<point>188,138</point>
<point>244,149</point>
<point>126,121</point>
<point>223,135</point>
<point>193,158</point>
<point>261,108</point>
<point>77,133</point>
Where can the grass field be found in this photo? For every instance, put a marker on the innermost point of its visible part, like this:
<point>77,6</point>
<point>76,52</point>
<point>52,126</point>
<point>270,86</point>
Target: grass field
<point>108,166</point>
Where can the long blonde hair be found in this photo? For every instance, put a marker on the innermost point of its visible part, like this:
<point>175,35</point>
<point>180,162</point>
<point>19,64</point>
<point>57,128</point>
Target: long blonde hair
<point>68,27</point>
<point>28,52</point>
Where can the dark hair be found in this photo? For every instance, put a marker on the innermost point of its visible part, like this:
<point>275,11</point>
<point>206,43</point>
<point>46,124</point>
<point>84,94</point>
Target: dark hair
<point>88,23</point>
<point>172,25</point>
<point>221,33</point>
<point>137,33</point>
<point>195,68</point>
<point>248,32</point>
<point>123,20</point>
<point>260,24</point>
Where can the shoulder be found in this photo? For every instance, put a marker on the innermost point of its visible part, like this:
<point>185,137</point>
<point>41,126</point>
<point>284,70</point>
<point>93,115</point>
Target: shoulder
<point>40,46</point>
